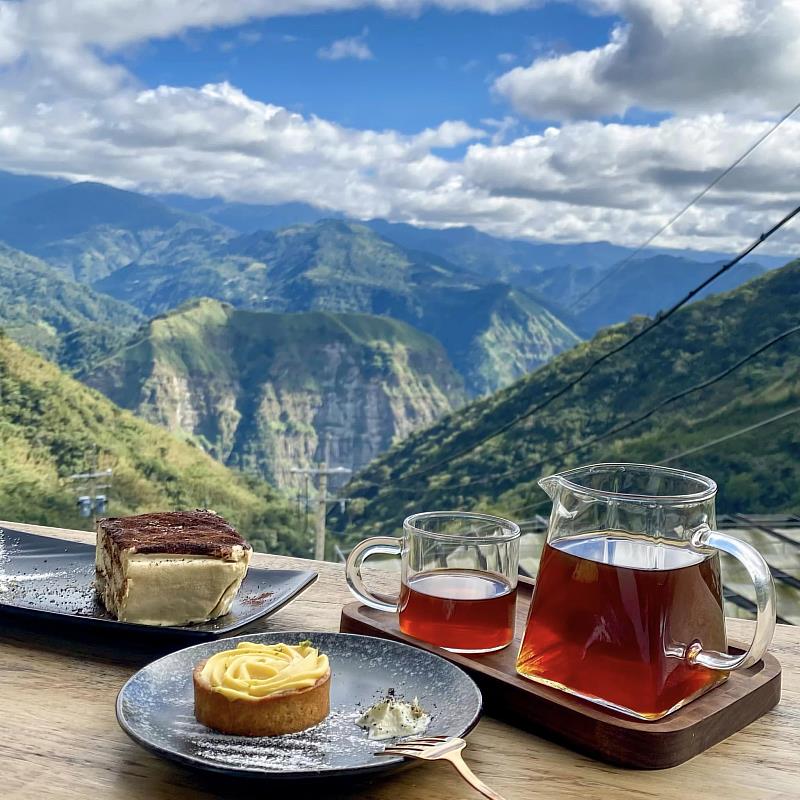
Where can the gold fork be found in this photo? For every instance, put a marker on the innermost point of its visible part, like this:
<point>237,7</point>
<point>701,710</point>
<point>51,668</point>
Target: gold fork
<point>437,748</point>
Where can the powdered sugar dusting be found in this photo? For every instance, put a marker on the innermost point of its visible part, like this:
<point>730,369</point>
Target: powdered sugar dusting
<point>156,707</point>
<point>308,750</point>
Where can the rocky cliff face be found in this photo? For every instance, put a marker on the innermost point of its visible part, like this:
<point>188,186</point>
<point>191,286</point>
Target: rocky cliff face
<point>267,392</point>
<point>491,331</point>
<point>52,426</point>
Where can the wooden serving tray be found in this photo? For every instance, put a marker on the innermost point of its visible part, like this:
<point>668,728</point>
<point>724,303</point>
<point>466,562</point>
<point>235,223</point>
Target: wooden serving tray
<point>744,697</point>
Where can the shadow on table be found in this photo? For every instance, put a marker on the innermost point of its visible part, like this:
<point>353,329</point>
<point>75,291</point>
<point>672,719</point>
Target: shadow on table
<point>175,782</point>
<point>124,647</point>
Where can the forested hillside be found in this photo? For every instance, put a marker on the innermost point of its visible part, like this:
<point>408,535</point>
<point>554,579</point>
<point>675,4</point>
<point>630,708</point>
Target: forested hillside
<point>51,426</point>
<point>59,318</point>
<point>492,331</point>
<point>271,392</point>
<point>759,471</point>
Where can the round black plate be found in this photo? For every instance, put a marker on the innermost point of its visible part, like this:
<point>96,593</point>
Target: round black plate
<point>156,709</point>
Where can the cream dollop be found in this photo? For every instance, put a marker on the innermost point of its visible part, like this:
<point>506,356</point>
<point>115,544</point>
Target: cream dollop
<point>252,671</point>
<point>391,717</point>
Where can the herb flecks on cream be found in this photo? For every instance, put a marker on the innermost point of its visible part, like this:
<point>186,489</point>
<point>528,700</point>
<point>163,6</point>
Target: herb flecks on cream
<point>390,718</point>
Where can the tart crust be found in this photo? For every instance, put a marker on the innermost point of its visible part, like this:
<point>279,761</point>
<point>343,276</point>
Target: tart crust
<point>273,715</point>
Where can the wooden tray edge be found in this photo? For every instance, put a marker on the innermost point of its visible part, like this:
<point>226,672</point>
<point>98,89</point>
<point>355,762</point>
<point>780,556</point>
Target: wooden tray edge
<point>662,748</point>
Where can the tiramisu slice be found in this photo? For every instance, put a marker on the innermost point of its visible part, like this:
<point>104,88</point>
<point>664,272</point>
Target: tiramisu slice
<point>170,568</point>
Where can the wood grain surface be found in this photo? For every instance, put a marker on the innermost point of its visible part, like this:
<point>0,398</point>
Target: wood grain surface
<point>60,738</point>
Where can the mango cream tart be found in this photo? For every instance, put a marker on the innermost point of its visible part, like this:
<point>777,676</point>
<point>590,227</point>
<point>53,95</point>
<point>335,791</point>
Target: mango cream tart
<point>169,568</point>
<point>263,689</point>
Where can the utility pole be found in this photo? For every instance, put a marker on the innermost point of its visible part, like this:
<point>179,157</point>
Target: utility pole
<point>305,506</point>
<point>322,508</point>
<point>323,472</point>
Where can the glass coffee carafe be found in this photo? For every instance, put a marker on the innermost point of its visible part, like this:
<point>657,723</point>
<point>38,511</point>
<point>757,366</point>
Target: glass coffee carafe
<point>627,608</point>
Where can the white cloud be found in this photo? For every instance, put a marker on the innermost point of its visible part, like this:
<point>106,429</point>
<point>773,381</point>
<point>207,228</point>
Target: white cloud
<point>582,181</point>
<point>350,47</point>
<point>111,24</point>
<point>506,58</point>
<point>622,181</point>
<point>502,127</point>
<point>66,110</point>
<point>684,56</point>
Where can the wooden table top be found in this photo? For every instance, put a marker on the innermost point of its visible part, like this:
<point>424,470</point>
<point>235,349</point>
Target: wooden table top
<point>59,736</point>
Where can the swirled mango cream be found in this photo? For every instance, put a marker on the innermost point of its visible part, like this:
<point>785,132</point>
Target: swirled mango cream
<point>253,671</point>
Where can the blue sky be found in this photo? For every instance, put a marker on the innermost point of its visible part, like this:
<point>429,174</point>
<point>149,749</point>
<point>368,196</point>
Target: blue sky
<point>425,69</point>
<point>610,121</point>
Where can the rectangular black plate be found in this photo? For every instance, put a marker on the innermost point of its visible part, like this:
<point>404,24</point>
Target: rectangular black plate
<point>53,579</point>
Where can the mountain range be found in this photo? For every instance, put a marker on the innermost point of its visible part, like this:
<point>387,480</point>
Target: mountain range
<point>757,471</point>
<point>498,257</point>
<point>269,392</point>
<point>52,426</point>
<point>62,320</point>
<point>89,230</point>
<point>141,251</point>
<point>642,286</point>
<point>493,332</point>
<point>275,336</point>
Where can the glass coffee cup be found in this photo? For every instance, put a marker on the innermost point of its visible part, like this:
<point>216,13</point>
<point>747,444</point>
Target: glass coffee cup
<point>458,579</point>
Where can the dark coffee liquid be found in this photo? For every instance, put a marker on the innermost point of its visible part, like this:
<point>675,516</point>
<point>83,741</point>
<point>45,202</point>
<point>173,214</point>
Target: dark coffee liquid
<point>611,614</point>
<point>461,609</point>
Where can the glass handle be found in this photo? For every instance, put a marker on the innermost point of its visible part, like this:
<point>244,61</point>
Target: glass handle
<point>759,573</point>
<point>377,545</point>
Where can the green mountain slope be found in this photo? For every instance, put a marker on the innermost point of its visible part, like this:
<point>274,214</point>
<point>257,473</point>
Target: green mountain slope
<point>62,320</point>
<point>269,392</point>
<point>88,230</point>
<point>642,286</point>
<point>49,425</point>
<point>756,472</point>
<point>492,332</point>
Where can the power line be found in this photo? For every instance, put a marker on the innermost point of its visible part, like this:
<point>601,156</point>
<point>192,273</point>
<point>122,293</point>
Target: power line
<point>641,417</point>
<point>766,528</point>
<point>699,196</point>
<point>660,318</point>
<point>645,415</point>
<point>704,446</point>
<point>635,420</point>
<point>731,435</point>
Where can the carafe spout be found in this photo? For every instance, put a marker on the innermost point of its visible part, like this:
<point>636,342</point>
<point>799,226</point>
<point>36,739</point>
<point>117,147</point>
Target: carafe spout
<point>550,485</point>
